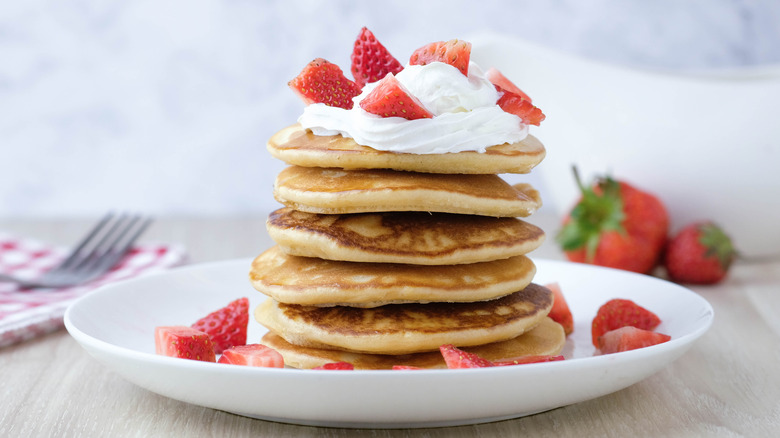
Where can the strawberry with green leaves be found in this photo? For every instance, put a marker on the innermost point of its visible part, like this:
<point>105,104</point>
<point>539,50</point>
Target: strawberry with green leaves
<point>617,313</point>
<point>616,225</point>
<point>700,253</point>
<point>324,82</point>
<point>227,326</point>
<point>371,61</point>
<point>456,53</point>
<point>183,342</point>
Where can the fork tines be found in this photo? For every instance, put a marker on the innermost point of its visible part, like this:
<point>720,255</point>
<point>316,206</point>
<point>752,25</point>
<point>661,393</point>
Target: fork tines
<point>101,249</point>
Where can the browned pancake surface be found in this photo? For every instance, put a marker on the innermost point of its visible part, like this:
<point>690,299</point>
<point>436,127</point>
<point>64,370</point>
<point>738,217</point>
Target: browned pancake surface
<point>407,328</point>
<point>295,145</point>
<point>547,338</point>
<point>313,281</point>
<point>402,237</point>
<point>328,190</point>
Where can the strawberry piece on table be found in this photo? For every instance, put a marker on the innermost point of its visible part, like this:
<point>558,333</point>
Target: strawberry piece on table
<point>615,225</point>
<point>345,366</point>
<point>629,338</point>
<point>617,313</point>
<point>324,82</point>
<point>389,98</point>
<point>253,355</point>
<point>523,108</point>
<point>456,53</point>
<point>226,326</point>
<point>371,61</point>
<point>700,253</point>
<point>560,312</point>
<point>183,342</point>
<point>454,357</point>
<point>503,84</point>
<point>529,359</point>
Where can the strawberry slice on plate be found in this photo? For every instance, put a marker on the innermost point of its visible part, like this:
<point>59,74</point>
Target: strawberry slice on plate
<point>456,53</point>
<point>371,61</point>
<point>560,312</point>
<point>339,366</point>
<point>529,359</point>
<point>183,342</point>
<point>389,98</point>
<point>454,357</point>
<point>226,326</point>
<point>629,338</point>
<point>324,82</point>
<point>405,367</point>
<point>502,83</point>
<point>617,313</point>
<point>253,355</point>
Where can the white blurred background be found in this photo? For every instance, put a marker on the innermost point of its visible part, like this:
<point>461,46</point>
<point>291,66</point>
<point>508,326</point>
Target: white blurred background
<point>164,107</point>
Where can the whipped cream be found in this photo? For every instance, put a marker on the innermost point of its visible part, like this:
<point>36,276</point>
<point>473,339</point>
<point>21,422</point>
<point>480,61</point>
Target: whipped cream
<point>466,117</point>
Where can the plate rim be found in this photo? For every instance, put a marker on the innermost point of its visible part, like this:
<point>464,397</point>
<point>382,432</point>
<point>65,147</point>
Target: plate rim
<point>96,347</point>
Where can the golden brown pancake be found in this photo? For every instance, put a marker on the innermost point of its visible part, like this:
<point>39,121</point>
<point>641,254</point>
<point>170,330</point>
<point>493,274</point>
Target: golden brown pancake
<point>335,191</point>
<point>407,328</point>
<point>318,282</point>
<point>295,145</point>
<point>402,237</point>
<point>547,338</point>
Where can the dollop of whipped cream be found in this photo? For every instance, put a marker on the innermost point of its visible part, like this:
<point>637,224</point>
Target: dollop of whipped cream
<point>466,117</point>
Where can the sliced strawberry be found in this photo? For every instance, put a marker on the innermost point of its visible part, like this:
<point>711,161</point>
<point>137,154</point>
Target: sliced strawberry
<point>517,105</point>
<point>406,367</point>
<point>226,326</point>
<point>618,313</point>
<point>390,99</point>
<point>629,338</point>
<point>529,359</point>
<point>371,61</point>
<point>456,358</point>
<point>346,366</point>
<point>503,84</point>
<point>253,355</point>
<point>183,342</point>
<point>453,52</point>
<point>560,312</point>
<point>324,82</point>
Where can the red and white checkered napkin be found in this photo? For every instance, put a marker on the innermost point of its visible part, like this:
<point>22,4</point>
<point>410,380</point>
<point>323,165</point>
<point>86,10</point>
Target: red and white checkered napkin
<point>26,313</point>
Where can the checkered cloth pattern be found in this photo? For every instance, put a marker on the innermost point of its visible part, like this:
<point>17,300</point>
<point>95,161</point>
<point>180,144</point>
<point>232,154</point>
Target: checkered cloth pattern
<point>27,313</point>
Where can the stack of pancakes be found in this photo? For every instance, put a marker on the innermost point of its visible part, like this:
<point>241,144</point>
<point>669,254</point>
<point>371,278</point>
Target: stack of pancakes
<point>381,257</point>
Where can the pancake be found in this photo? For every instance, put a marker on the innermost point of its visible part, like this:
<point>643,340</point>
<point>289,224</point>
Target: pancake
<point>295,145</point>
<point>547,338</point>
<point>407,328</point>
<point>402,237</point>
<point>317,282</point>
<point>335,191</point>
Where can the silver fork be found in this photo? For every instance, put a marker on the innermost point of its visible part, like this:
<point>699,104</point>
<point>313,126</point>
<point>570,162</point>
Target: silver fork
<point>95,255</point>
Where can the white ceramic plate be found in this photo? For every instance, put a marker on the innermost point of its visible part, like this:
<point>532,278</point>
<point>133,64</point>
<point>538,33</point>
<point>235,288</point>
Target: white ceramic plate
<point>116,324</point>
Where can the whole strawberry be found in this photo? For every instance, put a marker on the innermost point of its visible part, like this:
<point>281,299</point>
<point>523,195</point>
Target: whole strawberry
<point>616,225</point>
<point>700,253</point>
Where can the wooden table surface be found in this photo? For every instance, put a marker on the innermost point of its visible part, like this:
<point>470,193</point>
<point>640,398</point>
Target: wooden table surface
<point>728,384</point>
